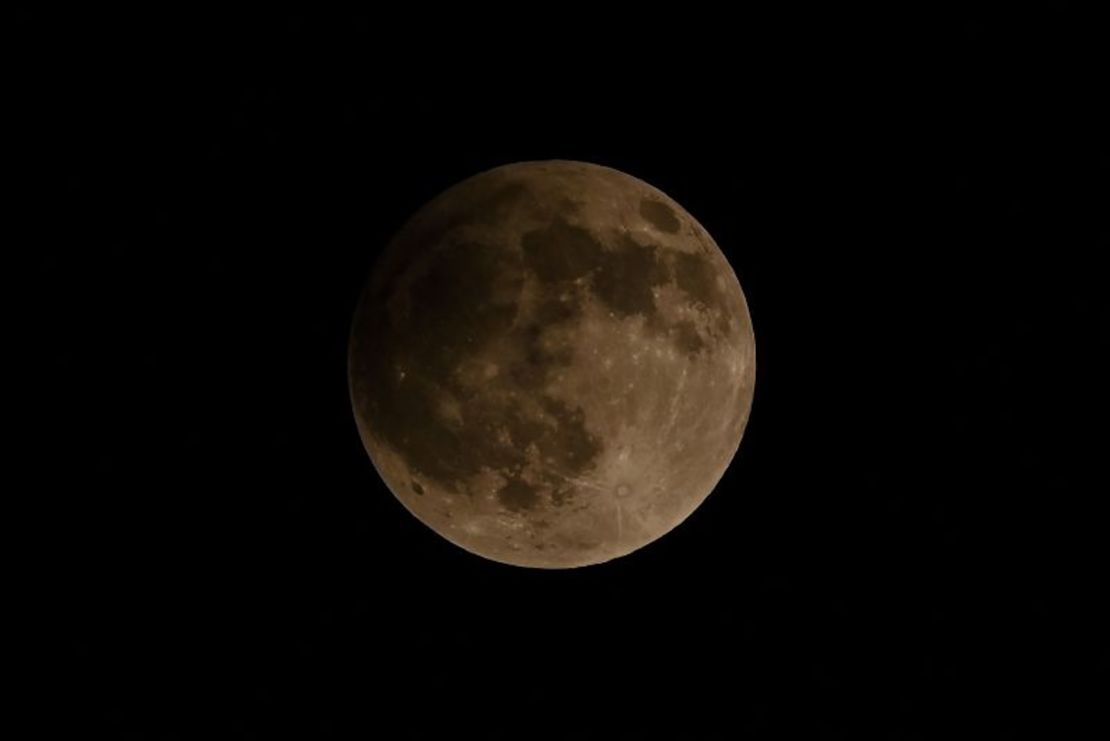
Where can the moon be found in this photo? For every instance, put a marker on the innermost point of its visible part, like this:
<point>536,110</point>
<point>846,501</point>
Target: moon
<point>552,364</point>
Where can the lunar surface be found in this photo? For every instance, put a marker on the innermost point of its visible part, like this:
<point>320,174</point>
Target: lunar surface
<point>552,364</point>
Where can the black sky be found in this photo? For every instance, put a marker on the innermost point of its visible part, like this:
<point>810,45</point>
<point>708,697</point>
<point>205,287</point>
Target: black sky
<point>907,542</point>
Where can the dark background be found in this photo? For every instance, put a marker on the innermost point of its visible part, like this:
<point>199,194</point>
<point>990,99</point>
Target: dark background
<point>907,544</point>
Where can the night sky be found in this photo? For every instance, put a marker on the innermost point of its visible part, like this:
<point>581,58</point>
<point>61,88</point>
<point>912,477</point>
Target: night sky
<point>907,542</point>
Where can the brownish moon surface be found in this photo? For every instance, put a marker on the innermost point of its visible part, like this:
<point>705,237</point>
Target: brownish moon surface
<point>552,364</point>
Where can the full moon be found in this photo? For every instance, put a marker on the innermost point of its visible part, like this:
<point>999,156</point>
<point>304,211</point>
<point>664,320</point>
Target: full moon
<point>552,364</point>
